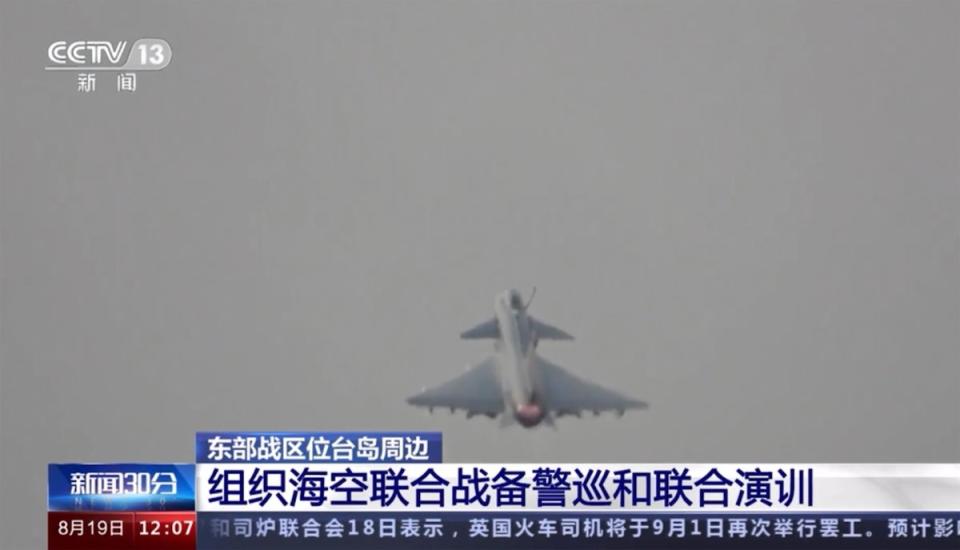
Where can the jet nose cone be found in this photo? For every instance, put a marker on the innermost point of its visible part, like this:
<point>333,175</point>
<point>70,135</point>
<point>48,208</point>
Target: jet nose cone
<point>516,299</point>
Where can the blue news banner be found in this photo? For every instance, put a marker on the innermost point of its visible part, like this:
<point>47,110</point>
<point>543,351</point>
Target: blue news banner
<point>391,490</point>
<point>360,490</point>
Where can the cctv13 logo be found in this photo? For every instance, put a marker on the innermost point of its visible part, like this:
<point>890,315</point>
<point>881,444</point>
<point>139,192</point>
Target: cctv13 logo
<point>146,54</point>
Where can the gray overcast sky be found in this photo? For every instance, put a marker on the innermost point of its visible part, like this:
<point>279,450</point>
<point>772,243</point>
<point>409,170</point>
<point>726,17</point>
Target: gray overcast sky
<point>746,212</point>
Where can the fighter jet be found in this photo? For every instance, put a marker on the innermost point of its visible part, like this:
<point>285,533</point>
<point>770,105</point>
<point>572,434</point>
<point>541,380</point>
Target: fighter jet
<point>516,382</point>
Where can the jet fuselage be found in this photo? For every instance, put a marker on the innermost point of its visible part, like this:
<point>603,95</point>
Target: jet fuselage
<point>517,348</point>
